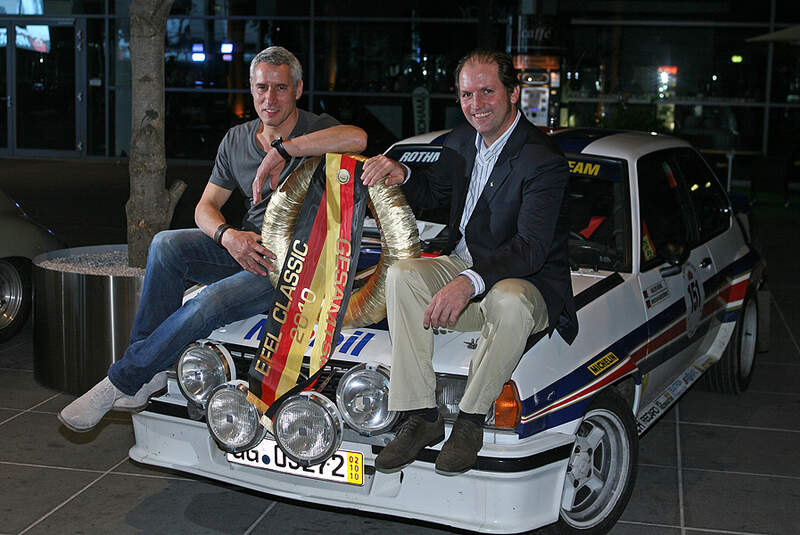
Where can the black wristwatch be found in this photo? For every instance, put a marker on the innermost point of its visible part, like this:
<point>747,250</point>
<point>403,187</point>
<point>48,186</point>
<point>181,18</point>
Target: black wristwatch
<point>277,143</point>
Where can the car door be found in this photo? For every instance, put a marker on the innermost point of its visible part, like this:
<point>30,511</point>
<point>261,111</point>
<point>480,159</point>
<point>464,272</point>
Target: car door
<point>673,268</point>
<point>715,230</point>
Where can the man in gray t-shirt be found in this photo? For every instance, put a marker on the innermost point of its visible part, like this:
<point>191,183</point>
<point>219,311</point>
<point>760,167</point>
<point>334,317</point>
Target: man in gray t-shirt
<point>239,156</point>
<point>231,262</point>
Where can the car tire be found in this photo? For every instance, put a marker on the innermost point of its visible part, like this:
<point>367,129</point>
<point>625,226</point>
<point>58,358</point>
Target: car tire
<point>602,468</point>
<point>732,373</point>
<point>15,295</point>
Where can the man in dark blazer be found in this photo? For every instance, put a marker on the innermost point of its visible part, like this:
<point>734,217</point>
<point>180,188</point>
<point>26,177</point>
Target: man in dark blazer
<point>506,273</point>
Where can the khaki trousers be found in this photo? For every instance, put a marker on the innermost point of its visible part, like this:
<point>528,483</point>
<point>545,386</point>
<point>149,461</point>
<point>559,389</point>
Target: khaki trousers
<point>511,311</point>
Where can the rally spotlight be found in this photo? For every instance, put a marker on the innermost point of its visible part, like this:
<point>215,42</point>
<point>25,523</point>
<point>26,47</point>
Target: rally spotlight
<point>308,428</point>
<point>201,368</point>
<point>232,419</point>
<point>363,399</point>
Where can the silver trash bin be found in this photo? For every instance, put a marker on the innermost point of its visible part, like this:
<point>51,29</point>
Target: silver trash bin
<point>82,322</point>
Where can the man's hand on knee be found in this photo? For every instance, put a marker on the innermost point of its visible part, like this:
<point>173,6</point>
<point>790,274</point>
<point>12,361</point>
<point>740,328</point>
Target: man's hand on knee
<point>245,248</point>
<point>448,303</point>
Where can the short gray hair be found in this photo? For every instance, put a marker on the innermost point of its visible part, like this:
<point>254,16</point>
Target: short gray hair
<point>277,55</point>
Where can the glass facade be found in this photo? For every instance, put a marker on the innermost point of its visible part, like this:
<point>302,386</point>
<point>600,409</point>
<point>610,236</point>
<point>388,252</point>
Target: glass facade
<point>684,67</point>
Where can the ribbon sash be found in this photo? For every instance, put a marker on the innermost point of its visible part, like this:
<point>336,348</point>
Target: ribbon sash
<point>314,285</point>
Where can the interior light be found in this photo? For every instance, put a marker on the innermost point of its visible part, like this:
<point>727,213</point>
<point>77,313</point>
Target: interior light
<point>198,47</point>
<point>714,77</point>
<point>694,187</point>
<point>227,57</point>
<point>226,48</point>
<point>736,58</point>
<point>198,56</point>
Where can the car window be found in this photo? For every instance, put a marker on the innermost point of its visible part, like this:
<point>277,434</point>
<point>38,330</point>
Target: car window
<point>708,199</point>
<point>663,214</point>
<point>599,221</point>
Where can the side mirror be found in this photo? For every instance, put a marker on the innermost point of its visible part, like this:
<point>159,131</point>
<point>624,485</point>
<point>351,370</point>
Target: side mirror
<point>675,255</point>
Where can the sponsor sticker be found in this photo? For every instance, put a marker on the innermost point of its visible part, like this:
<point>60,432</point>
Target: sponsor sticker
<point>695,297</point>
<point>583,168</point>
<point>603,363</point>
<point>655,294</point>
<point>419,156</point>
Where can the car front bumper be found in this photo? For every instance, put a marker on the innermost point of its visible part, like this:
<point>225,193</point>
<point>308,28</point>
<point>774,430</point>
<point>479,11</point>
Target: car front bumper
<point>516,487</point>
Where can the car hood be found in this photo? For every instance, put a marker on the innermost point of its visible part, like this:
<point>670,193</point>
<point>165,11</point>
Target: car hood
<point>452,349</point>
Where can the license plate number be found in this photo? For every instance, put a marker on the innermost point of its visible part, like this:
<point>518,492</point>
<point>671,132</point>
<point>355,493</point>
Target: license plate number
<point>344,467</point>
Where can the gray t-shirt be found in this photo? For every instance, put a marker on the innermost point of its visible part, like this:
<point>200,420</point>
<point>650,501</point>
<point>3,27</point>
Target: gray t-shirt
<point>239,156</point>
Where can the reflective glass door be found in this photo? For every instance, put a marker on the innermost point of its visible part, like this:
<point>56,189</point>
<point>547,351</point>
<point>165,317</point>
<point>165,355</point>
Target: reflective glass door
<point>5,96</point>
<point>44,79</point>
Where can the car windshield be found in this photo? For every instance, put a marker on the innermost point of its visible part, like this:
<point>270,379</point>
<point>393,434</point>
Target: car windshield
<point>599,221</point>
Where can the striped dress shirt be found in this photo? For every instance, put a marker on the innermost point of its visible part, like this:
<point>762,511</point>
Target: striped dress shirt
<point>484,164</point>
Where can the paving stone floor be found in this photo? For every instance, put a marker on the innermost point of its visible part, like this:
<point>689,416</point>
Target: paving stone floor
<point>713,464</point>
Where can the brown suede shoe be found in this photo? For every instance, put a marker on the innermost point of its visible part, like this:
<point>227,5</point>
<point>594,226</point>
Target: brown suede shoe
<point>414,434</point>
<point>460,451</point>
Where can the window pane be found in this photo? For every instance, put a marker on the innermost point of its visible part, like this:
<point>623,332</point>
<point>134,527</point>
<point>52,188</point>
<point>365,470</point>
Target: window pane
<point>121,58</point>
<point>454,9</point>
<point>707,127</point>
<point>45,78</point>
<point>95,73</point>
<point>705,193</point>
<point>662,217</point>
<point>599,225</point>
<point>674,10</point>
<point>217,53</point>
<point>389,119</point>
<point>786,74</point>
<point>721,127</point>
<point>665,62</point>
<point>223,8</point>
<point>390,57</point>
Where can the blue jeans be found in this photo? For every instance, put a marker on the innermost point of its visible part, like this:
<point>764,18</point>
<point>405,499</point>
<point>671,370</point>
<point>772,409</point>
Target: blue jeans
<point>163,326</point>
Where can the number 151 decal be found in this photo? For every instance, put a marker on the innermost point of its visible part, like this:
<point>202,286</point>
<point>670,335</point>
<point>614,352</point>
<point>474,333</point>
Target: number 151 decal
<point>694,299</point>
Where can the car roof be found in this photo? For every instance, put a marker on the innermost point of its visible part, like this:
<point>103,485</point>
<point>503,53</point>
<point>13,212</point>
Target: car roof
<point>622,144</point>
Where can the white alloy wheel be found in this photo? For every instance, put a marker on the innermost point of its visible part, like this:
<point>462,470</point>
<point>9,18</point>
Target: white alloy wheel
<point>602,468</point>
<point>15,295</point>
<point>732,373</point>
<point>747,338</point>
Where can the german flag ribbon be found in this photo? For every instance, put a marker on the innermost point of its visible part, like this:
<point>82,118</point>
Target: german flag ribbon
<point>314,284</point>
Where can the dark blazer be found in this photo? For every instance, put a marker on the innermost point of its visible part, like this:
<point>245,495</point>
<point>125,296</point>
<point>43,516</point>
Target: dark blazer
<point>519,227</point>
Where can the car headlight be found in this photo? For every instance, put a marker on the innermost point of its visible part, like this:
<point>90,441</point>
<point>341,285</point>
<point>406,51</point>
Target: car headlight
<point>363,399</point>
<point>308,428</point>
<point>232,420</point>
<point>201,368</point>
<point>449,391</point>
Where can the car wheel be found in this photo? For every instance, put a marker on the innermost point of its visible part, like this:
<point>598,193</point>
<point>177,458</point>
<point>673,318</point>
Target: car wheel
<point>732,373</point>
<point>15,295</point>
<point>602,469</point>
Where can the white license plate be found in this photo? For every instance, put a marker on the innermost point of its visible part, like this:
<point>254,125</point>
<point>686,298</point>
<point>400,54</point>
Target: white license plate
<point>343,467</point>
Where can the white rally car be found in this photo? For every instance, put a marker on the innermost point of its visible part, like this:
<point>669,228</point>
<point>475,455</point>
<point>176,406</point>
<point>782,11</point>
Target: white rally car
<point>668,291</point>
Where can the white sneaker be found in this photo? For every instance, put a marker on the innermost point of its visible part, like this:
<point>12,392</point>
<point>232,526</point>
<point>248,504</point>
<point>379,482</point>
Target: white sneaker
<point>85,412</point>
<point>138,401</point>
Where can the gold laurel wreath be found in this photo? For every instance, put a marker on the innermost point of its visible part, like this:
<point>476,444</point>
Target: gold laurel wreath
<point>396,222</point>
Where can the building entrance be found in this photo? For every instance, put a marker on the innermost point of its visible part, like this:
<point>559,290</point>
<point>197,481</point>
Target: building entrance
<point>41,98</point>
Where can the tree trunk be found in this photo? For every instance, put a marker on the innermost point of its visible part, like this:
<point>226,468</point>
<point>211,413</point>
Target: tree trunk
<point>150,205</point>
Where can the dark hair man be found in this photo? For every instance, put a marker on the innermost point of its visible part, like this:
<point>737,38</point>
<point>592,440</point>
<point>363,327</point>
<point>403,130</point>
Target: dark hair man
<point>231,262</point>
<point>507,271</point>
